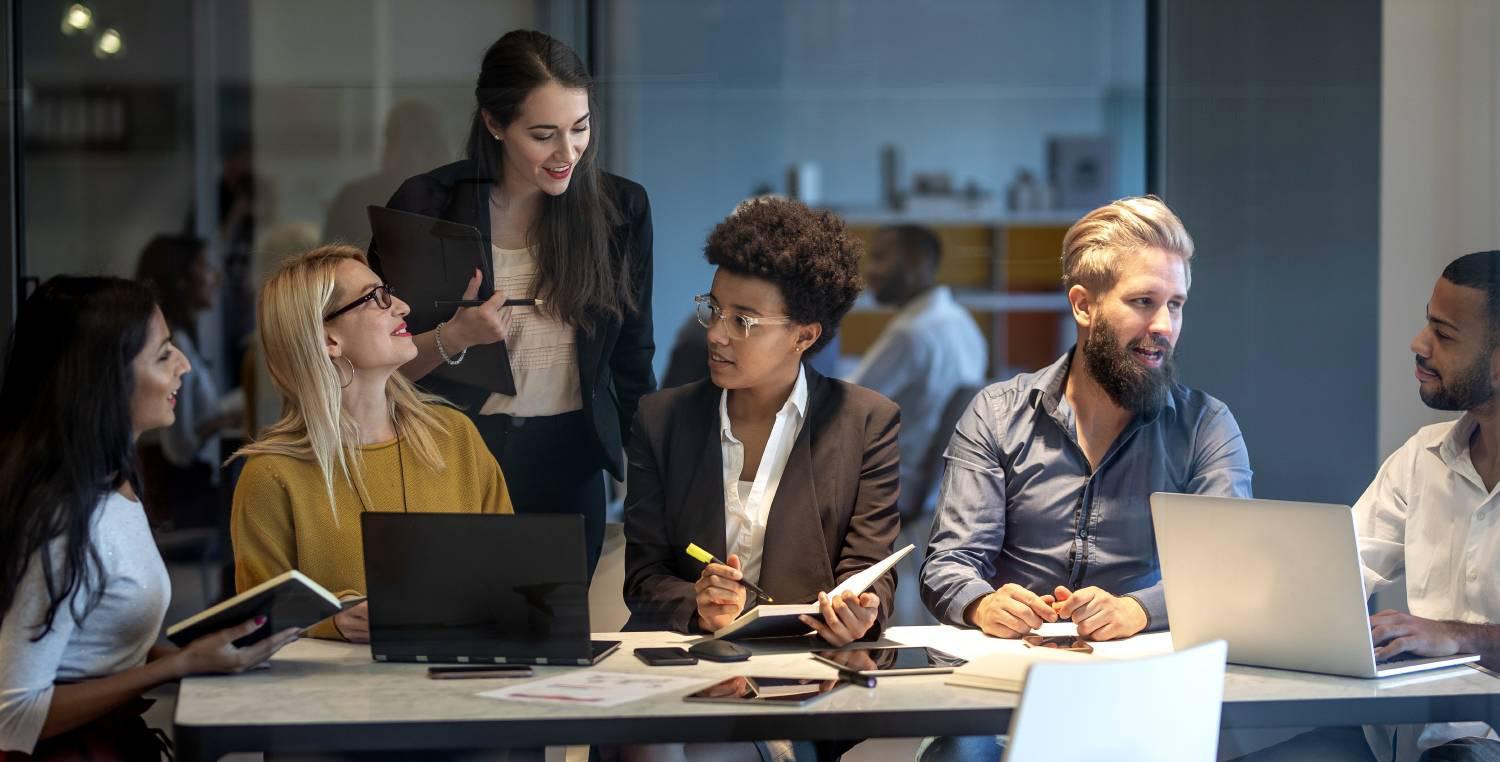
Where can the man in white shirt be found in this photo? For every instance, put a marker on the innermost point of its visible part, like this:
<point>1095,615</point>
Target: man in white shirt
<point>930,348</point>
<point>1430,519</point>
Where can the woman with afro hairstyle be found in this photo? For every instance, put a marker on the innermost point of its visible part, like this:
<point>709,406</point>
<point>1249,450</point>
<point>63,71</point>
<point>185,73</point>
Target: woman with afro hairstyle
<point>788,476</point>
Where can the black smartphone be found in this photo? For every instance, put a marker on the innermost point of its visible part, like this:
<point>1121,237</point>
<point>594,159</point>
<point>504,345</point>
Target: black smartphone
<point>479,671</point>
<point>665,657</point>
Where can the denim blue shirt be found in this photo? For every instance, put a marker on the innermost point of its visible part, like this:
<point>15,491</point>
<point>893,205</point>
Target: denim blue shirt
<point>1019,502</point>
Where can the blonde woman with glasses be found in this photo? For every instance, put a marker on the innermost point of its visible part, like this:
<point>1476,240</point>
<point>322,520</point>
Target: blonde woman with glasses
<point>354,435</point>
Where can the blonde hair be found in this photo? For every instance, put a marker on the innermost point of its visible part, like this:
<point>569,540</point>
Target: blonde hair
<point>1093,246</point>
<point>313,425</point>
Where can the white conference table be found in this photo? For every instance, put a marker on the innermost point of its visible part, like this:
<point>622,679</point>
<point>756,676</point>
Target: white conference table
<point>325,696</point>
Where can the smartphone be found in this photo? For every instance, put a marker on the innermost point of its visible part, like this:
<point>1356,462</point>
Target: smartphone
<point>1059,642</point>
<point>665,657</point>
<point>479,671</point>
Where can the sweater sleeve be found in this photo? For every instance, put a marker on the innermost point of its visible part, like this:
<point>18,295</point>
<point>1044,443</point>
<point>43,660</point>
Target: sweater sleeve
<point>264,537</point>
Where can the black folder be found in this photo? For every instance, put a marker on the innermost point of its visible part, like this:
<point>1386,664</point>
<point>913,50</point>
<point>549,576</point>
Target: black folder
<point>427,259</point>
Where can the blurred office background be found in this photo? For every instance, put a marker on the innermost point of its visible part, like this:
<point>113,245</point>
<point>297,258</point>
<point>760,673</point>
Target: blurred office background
<point>1327,157</point>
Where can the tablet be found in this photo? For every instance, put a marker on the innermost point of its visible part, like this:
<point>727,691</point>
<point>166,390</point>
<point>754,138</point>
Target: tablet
<point>766,691</point>
<point>891,660</point>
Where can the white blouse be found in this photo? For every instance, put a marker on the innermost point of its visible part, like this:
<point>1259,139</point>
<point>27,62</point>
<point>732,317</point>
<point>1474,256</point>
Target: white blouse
<point>746,509</point>
<point>543,351</point>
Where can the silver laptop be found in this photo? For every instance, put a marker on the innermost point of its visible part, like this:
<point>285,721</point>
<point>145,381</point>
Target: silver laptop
<point>1280,582</point>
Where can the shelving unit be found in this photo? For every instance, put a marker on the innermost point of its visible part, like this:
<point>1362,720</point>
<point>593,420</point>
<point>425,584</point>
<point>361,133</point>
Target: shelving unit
<point>1004,268</point>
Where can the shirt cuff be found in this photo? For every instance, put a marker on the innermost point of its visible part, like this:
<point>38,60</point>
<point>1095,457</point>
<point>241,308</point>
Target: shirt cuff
<point>972,591</point>
<point>1153,601</point>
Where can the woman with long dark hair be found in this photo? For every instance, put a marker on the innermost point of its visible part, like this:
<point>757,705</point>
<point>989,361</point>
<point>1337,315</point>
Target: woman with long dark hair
<point>83,590</point>
<point>573,237</point>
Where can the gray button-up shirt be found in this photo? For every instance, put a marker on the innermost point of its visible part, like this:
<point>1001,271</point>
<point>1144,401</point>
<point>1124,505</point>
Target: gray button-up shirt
<point>1019,502</point>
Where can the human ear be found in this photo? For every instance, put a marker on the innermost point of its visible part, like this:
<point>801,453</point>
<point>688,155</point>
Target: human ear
<point>1082,303</point>
<point>807,336</point>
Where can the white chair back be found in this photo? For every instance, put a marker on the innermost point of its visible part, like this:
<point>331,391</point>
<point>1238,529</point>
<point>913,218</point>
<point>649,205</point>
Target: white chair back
<point>1156,709</point>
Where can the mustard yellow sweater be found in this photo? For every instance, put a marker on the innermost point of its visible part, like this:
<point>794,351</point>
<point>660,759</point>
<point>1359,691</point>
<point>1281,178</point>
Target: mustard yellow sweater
<point>281,518</point>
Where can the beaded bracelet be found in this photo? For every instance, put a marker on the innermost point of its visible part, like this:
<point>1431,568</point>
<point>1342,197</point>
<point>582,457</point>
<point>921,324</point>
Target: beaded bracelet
<point>444,353</point>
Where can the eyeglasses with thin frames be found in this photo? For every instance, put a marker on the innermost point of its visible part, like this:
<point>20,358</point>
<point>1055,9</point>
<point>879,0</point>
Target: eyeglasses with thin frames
<point>382,296</point>
<point>738,326</point>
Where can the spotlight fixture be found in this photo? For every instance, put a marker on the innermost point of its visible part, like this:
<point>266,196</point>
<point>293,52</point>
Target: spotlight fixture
<point>109,44</point>
<point>78,18</point>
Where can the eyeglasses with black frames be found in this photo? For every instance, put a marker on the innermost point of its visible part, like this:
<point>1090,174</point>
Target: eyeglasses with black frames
<point>381,295</point>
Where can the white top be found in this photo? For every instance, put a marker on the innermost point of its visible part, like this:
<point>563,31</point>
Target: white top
<point>543,351</point>
<point>745,517</point>
<point>1427,518</point>
<point>113,637</point>
<point>930,348</point>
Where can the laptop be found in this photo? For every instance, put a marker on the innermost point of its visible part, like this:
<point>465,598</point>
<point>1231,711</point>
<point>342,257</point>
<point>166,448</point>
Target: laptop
<point>464,588</point>
<point>1281,582</point>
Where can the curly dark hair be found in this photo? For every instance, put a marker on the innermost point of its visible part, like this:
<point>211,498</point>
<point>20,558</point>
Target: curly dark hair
<point>806,253</point>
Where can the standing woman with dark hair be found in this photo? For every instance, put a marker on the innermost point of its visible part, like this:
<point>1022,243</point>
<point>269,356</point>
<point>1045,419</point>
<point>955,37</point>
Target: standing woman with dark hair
<point>575,238</point>
<point>82,589</point>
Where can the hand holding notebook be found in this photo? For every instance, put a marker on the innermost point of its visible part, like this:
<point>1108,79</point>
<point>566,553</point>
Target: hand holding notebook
<point>767,621</point>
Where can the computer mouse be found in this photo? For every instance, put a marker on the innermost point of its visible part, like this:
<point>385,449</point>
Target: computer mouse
<point>719,650</point>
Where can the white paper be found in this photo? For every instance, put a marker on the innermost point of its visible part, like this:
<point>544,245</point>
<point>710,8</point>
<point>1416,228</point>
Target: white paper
<point>587,687</point>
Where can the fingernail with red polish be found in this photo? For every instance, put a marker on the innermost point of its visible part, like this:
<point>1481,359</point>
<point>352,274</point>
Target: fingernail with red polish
<point>260,620</point>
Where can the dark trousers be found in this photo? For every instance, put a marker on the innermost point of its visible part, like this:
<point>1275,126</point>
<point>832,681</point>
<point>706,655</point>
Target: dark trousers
<point>550,467</point>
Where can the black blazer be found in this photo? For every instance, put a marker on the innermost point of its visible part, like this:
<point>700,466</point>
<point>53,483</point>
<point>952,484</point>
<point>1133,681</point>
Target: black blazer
<point>834,512</point>
<point>614,364</point>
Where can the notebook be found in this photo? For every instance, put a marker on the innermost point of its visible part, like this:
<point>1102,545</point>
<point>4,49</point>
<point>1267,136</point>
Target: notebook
<point>287,600</point>
<point>780,620</point>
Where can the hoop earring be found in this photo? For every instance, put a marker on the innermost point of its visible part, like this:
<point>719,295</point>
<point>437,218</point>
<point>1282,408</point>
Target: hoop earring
<point>344,384</point>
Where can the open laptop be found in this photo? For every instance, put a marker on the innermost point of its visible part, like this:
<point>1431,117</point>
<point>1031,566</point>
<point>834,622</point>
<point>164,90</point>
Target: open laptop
<point>479,589</point>
<point>1281,582</point>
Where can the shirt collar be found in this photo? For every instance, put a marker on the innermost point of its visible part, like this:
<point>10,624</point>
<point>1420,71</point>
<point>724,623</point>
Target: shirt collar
<point>1455,444</point>
<point>1046,390</point>
<point>795,404</point>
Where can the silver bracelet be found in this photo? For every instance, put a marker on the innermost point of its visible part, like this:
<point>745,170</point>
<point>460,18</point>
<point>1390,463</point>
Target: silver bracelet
<point>444,353</point>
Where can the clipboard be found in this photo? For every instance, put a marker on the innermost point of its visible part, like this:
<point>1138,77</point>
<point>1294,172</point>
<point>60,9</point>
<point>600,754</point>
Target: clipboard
<point>428,259</point>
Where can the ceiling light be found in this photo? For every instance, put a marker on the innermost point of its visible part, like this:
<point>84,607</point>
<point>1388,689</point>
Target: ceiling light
<point>78,18</point>
<point>109,44</point>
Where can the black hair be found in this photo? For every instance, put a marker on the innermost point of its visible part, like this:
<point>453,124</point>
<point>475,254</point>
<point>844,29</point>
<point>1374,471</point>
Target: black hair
<point>66,438</point>
<point>575,272</point>
<point>806,253</point>
<point>1480,270</point>
<point>918,240</point>
<point>163,267</point>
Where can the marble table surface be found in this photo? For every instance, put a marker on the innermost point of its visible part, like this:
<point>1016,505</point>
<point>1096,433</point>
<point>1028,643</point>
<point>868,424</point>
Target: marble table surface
<point>326,695</point>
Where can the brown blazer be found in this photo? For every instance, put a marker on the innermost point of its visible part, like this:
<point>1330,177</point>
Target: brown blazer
<point>834,513</point>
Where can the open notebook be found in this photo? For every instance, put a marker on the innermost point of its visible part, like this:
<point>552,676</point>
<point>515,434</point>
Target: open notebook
<point>780,620</point>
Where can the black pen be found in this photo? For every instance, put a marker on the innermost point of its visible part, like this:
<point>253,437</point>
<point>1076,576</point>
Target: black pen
<point>708,558</point>
<point>443,304</point>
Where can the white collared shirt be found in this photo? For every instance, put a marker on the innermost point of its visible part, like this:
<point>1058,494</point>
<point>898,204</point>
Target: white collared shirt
<point>1428,519</point>
<point>929,348</point>
<point>745,517</point>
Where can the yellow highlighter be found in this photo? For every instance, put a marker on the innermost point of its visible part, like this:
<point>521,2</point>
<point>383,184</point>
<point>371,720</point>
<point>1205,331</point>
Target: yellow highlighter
<point>708,558</point>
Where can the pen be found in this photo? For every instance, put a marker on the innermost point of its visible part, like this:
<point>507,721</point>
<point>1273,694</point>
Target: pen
<point>708,558</point>
<point>442,304</point>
